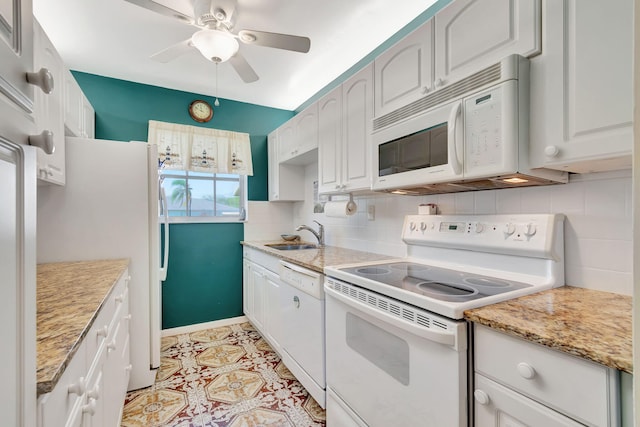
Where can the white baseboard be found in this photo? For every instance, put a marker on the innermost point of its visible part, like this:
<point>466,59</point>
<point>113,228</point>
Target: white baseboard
<point>202,326</point>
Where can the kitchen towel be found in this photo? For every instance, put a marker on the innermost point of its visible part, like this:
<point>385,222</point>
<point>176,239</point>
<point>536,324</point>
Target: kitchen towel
<point>340,209</point>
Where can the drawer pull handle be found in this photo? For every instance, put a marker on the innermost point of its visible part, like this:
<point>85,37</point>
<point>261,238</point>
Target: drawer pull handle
<point>127,317</point>
<point>120,298</point>
<point>526,371</point>
<point>103,332</point>
<point>78,388</point>
<point>481,397</point>
<point>90,408</point>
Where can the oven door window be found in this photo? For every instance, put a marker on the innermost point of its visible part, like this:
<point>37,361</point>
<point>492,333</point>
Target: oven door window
<point>387,351</point>
<point>423,149</point>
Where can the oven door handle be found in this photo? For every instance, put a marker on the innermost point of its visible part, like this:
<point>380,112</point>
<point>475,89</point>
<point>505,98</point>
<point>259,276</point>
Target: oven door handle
<point>445,338</point>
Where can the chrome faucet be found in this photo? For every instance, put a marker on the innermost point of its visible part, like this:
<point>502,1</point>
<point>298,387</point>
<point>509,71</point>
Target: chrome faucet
<point>319,234</point>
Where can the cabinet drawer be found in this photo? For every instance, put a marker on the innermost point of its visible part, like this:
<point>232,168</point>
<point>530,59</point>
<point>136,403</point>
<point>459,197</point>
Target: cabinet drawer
<point>496,405</point>
<point>68,392</point>
<point>581,389</point>
<point>105,321</point>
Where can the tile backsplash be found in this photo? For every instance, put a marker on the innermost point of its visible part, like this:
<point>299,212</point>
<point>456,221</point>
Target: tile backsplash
<point>598,233</point>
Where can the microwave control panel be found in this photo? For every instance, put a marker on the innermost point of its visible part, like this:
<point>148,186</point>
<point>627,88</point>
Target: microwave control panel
<point>491,131</point>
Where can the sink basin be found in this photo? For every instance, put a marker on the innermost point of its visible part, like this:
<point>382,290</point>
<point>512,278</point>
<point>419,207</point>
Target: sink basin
<point>291,246</point>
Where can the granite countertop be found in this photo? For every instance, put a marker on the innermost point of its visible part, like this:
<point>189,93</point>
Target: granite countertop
<point>591,324</point>
<point>69,296</point>
<point>316,259</point>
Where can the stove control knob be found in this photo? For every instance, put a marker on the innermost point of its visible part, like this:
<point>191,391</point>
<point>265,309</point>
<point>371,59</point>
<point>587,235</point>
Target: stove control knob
<point>479,228</point>
<point>509,229</point>
<point>412,226</point>
<point>423,226</point>
<point>530,229</point>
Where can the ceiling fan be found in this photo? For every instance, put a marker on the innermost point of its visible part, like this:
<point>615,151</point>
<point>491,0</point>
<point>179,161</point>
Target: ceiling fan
<point>216,40</point>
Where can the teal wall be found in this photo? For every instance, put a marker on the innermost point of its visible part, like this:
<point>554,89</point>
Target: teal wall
<point>204,281</point>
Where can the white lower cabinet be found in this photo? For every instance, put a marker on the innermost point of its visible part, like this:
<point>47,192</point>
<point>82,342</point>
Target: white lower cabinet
<point>261,290</point>
<point>519,383</point>
<point>92,389</point>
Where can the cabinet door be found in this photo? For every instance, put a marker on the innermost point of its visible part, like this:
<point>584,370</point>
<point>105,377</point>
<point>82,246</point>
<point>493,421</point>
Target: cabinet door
<point>499,406</point>
<point>88,118</point>
<point>286,140</point>
<point>307,130</point>
<point>272,321</point>
<point>404,73</point>
<point>472,34</point>
<point>72,105</point>
<point>357,105</point>
<point>257,295</point>
<point>272,153</point>
<point>581,87</point>
<point>16,51</point>
<point>247,289</point>
<point>49,108</point>
<point>330,141</point>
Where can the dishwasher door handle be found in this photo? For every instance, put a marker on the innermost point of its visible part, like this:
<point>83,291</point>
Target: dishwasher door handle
<point>445,338</point>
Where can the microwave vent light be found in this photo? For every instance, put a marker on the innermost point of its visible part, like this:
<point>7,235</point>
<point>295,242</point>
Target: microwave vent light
<point>515,180</point>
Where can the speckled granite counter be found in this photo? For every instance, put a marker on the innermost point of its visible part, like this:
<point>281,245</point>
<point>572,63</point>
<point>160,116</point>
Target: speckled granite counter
<point>591,324</point>
<point>316,259</point>
<point>69,295</point>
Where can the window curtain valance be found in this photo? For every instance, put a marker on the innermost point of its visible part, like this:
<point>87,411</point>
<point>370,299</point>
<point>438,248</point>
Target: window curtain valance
<point>198,149</point>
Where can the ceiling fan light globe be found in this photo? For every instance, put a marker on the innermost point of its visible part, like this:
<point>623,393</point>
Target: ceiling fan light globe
<point>216,46</point>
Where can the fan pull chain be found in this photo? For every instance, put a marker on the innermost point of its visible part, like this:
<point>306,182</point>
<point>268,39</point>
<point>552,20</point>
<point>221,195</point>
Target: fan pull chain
<point>216,102</point>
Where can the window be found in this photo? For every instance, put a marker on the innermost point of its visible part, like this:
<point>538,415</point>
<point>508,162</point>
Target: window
<point>204,197</point>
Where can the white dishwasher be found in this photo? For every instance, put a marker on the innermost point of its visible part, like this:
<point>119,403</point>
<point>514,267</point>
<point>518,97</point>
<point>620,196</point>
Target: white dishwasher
<point>302,309</point>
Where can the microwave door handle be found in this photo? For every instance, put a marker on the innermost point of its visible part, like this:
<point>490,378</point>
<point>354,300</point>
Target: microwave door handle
<point>451,138</point>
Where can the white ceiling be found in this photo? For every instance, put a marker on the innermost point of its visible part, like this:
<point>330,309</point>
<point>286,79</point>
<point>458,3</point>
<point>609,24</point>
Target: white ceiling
<point>115,38</point>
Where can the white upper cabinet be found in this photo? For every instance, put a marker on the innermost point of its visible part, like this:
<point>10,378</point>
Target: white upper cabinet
<point>582,87</point>
<point>357,114</point>
<point>299,137</point>
<point>79,117</point>
<point>330,141</point>
<point>16,51</point>
<point>286,182</point>
<point>404,72</point>
<point>49,108</point>
<point>344,146</point>
<point>473,34</point>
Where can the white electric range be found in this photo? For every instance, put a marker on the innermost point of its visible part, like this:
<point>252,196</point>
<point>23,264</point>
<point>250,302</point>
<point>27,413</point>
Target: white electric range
<point>396,342</point>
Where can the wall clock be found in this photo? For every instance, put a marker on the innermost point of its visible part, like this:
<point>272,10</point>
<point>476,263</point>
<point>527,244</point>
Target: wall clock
<point>200,111</point>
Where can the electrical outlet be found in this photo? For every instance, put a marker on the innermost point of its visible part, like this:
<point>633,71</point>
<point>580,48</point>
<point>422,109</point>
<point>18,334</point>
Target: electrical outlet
<point>371,213</point>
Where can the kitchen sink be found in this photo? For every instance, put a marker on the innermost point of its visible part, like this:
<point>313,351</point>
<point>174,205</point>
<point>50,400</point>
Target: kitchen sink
<point>292,246</point>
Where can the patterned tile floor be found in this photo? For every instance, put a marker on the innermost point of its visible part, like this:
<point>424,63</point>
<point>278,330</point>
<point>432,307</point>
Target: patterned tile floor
<point>222,377</point>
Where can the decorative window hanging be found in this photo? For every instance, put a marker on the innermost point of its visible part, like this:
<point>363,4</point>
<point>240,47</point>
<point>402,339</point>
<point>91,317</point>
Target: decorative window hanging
<point>199,149</point>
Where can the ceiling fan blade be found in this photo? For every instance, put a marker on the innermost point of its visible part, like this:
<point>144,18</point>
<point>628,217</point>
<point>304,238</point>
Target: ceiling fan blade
<point>243,68</point>
<point>276,40</point>
<point>173,51</point>
<point>162,10</point>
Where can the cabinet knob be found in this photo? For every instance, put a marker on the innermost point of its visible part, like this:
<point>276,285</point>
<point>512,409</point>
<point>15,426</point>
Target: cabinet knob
<point>526,371</point>
<point>481,397</point>
<point>94,393</point>
<point>77,388</point>
<point>43,79</point>
<point>425,90</point>
<point>90,408</point>
<point>438,83</point>
<point>43,141</point>
<point>120,298</point>
<point>127,317</point>
<point>111,346</point>
<point>128,368</point>
<point>551,151</point>
<point>103,332</point>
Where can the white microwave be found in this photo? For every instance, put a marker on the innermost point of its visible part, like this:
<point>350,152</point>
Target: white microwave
<point>470,135</point>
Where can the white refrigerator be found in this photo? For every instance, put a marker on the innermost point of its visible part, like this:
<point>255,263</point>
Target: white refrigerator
<point>109,208</point>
